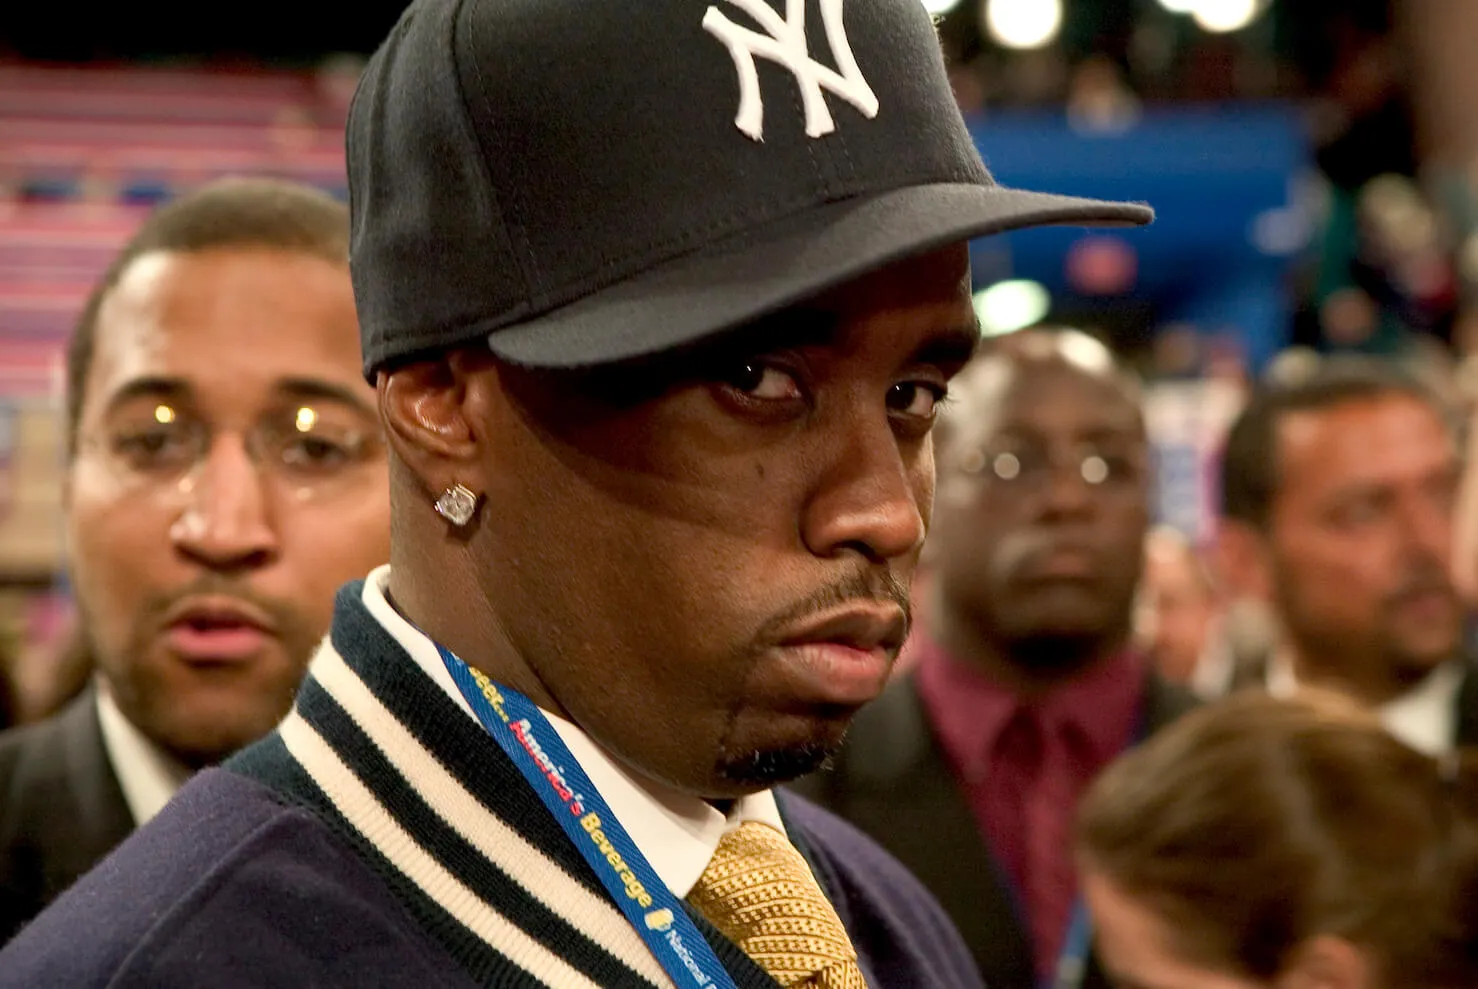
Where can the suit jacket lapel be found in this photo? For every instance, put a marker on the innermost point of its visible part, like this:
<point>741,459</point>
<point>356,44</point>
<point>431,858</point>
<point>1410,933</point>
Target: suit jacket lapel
<point>96,816</point>
<point>64,810</point>
<point>1163,703</point>
<point>894,783</point>
<point>1467,707</point>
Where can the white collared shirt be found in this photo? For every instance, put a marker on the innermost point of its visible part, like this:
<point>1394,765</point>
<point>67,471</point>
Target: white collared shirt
<point>147,775</point>
<point>1425,717</point>
<point>677,832</point>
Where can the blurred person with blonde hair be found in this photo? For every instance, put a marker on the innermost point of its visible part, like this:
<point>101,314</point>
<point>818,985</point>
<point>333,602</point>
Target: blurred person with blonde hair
<point>1293,844</point>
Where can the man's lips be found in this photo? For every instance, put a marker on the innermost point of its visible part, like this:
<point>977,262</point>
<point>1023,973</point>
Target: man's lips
<point>1426,602</point>
<point>842,657</point>
<point>216,629</point>
<point>1061,563</point>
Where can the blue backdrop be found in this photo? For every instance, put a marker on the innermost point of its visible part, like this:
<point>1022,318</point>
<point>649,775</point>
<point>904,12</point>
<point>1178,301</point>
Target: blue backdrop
<point>1222,181</point>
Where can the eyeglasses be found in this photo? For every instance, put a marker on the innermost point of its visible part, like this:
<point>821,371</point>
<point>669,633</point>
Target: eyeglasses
<point>1031,466</point>
<point>309,448</point>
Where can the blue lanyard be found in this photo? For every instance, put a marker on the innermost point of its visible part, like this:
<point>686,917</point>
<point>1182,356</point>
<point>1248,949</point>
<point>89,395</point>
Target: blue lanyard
<point>522,731</point>
<point>1072,964</point>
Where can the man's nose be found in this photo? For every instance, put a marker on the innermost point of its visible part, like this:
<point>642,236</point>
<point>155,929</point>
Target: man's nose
<point>227,520</point>
<point>869,500</point>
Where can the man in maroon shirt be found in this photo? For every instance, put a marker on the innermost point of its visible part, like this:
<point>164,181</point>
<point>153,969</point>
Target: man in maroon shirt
<point>970,766</point>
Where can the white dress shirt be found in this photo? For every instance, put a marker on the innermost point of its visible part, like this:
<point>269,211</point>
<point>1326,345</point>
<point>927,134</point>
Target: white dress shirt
<point>1425,717</point>
<point>147,775</point>
<point>677,832</point>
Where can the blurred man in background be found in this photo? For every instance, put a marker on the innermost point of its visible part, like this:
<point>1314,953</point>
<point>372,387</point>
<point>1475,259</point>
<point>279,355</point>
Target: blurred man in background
<point>226,475</point>
<point>1179,619</point>
<point>1338,496</point>
<point>968,768</point>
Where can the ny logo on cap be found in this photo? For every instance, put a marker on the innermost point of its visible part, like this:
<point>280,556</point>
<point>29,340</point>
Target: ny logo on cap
<point>786,45</point>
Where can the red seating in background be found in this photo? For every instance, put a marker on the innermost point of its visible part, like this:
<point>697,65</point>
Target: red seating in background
<point>85,152</point>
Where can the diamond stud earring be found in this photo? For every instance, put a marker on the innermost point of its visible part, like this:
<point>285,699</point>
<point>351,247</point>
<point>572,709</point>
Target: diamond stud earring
<point>456,505</point>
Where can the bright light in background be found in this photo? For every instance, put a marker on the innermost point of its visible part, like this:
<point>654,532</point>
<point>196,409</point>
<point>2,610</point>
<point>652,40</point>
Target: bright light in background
<point>937,7</point>
<point>1023,23</point>
<point>1006,307</point>
<point>1224,15</point>
<point>1180,6</point>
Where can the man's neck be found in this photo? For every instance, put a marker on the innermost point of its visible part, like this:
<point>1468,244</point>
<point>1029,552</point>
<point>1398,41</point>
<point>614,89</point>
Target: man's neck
<point>472,633</point>
<point>1374,682</point>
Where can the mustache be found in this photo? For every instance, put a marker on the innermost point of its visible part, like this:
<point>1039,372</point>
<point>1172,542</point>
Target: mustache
<point>867,586</point>
<point>1427,579</point>
<point>285,618</point>
<point>1025,548</point>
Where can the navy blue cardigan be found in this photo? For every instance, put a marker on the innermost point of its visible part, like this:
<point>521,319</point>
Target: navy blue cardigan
<point>289,867</point>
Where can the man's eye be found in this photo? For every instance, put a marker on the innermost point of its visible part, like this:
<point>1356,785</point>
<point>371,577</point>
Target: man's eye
<point>917,399</point>
<point>764,382</point>
<point>157,447</point>
<point>313,451</point>
<point>324,447</point>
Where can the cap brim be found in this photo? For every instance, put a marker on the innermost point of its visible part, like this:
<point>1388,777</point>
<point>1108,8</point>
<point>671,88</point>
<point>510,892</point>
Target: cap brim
<point>733,282</point>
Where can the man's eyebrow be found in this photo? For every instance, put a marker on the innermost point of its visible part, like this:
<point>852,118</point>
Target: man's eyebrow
<point>151,386</point>
<point>950,347</point>
<point>167,388</point>
<point>310,389</point>
<point>799,326</point>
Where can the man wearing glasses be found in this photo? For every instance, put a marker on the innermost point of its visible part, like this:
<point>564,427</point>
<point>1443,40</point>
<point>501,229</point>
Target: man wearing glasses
<point>225,475</point>
<point>969,768</point>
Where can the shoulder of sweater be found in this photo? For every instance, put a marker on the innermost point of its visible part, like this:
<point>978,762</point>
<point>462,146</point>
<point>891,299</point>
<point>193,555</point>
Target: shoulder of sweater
<point>175,874</point>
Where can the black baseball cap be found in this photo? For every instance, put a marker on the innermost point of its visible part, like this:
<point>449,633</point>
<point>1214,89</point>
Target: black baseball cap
<point>586,182</point>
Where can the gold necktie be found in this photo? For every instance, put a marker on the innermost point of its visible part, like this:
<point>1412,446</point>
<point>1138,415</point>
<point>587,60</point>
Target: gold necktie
<point>760,893</point>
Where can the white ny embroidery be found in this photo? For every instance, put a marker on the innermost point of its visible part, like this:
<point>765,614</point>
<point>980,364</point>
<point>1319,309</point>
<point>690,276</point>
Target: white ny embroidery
<point>786,45</point>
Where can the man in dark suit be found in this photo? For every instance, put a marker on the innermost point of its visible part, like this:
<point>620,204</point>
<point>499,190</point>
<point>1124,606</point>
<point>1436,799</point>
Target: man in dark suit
<point>1337,501</point>
<point>225,476</point>
<point>968,768</point>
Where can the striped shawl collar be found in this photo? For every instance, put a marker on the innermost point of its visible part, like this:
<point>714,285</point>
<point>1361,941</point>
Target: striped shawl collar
<point>437,809</point>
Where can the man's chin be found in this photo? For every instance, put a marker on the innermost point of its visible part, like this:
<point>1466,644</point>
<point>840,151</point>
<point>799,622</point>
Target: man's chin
<point>198,745</point>
<point>760,769</point>
<point>1061,649</point>
<point>1414,666</point>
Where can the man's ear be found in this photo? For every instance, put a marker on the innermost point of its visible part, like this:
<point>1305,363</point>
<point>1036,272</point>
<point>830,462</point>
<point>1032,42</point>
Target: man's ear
<point>1327,962</point>
<point>436,414</point>
<point>1244,560</point>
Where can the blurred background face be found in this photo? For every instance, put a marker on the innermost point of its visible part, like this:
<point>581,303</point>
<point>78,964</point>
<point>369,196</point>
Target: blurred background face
<point>1043,509</point>
<point>1360,540</point>
<point>229,477</point>
<point>1178,608</point>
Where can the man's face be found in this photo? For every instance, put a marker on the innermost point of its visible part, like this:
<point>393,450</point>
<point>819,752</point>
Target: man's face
<point>1043,512</point>
<point>1360,538</point>
<point>707,564</point>
<point>229,476</point>
<point>1179,610</point>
